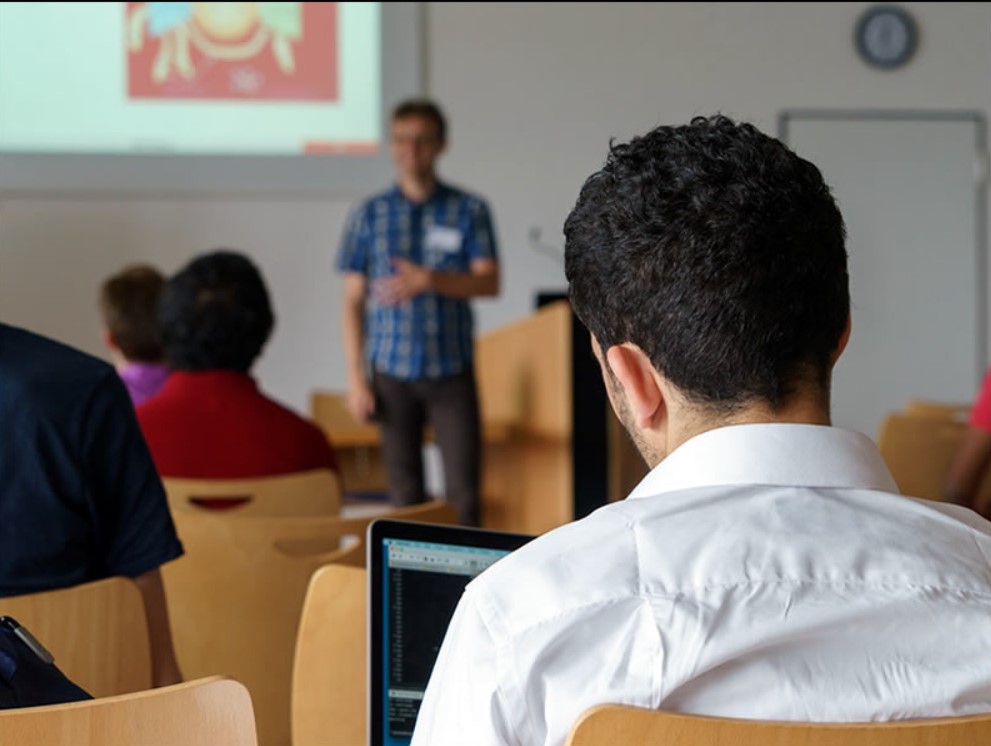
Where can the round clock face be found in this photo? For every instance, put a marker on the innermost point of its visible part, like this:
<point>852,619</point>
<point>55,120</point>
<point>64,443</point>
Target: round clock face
<point>886,36</point>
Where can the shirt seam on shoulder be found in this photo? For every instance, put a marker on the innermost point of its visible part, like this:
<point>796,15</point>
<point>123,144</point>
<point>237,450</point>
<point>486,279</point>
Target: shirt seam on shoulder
<point>504,649</point>
<point>696,589</point>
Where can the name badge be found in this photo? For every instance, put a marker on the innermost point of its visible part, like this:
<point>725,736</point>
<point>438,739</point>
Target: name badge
<point>443,238</point>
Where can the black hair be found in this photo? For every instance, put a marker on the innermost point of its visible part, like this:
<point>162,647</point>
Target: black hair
<point>215,313</point>
<point>720,253</point>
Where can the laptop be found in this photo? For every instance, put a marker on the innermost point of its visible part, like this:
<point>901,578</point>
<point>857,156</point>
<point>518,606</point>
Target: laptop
<point>416,575</point>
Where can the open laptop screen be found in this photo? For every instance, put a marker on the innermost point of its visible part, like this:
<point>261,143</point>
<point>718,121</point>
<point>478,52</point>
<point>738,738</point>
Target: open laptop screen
<point>417,573</point>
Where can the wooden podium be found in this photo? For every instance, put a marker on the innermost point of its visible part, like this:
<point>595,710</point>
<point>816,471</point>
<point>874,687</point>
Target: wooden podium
<point>525,383</point>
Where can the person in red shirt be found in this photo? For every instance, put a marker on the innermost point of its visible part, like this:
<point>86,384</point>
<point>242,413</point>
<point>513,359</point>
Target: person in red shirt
<point>973,455</point>
<point>211,420</point>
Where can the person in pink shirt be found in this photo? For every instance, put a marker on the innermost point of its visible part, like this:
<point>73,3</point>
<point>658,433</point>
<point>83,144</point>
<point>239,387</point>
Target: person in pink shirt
<point>129,308</point>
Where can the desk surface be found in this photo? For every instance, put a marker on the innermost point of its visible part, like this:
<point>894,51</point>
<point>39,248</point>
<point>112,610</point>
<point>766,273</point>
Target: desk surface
<point>367,436</point>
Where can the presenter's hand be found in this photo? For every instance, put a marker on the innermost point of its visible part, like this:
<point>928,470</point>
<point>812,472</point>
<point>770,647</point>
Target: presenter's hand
<point>409,281</point>
<point>361,401</point>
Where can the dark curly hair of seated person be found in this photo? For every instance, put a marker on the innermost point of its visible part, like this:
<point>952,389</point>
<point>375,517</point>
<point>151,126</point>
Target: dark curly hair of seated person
<point>215,313</point>
<point>720,253</point>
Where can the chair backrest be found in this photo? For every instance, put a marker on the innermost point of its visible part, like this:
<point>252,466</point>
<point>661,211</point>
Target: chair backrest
<point>236,596</point>
<point>329,678</point>
<point>610,725</point>
<point>919,450</point>
<point>214,711</point>
<point>329,410</point>
<point>314,492</point>
<point>931,408</point>
<point>97,632</point>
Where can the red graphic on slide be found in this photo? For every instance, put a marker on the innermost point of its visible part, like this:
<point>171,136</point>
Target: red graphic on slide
<point>257,51</point>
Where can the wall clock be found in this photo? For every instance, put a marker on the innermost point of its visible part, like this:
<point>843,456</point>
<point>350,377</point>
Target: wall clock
<point>886,36</point>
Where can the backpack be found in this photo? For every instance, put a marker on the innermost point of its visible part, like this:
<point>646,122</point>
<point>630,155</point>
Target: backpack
<point>28,674</point>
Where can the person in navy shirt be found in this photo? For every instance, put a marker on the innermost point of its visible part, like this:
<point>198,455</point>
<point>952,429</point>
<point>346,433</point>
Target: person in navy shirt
<point>80,499</point>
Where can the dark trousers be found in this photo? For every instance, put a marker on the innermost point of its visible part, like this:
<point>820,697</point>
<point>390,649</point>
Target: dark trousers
<point>450,406</point>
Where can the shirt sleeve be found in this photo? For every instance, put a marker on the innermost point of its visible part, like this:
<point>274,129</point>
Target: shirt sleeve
<point>462,705</point>
<point>481,239</point>
<point>134,529</point>
<point>980,415</point>
<point>354,251</point>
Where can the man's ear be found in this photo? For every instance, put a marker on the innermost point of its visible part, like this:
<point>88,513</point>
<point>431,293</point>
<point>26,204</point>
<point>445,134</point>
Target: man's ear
<point>108,340</point>
<point>638,383</point>
<point>844,338</point>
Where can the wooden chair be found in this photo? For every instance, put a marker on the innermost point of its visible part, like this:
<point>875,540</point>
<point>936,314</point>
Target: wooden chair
<point>214,711</point>
<point>236,596</point>
<point>314,492</point>
<point>329,678</point>
<point>919,450</point>
<point>329,409</point>
<point>930,408</point>
<point>612,725</point>
<point>97,632</point>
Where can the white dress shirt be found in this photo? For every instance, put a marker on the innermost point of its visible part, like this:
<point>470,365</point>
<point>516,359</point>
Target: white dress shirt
<point>760,571</point>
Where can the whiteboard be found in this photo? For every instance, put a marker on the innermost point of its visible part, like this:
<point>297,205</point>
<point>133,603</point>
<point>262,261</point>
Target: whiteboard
<point>906,187</point>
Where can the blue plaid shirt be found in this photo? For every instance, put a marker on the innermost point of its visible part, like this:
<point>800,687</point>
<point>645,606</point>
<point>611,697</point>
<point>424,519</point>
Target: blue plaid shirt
<point>431,335</point>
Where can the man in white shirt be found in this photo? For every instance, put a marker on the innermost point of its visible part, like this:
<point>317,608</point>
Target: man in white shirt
<point>766,567</point>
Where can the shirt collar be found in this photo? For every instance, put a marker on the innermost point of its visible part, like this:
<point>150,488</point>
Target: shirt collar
<point>771,454</point>
<point>440,189</point>
<point>210,379</point>
<point>139,372</point>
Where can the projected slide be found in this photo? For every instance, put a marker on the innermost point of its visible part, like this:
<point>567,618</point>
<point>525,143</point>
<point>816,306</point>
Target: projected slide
<point>219,78</point>
<point>232,50</point>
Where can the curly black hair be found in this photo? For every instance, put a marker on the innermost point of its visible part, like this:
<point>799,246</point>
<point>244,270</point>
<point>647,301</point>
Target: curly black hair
<point>215,313</point>
<point>720,253</point>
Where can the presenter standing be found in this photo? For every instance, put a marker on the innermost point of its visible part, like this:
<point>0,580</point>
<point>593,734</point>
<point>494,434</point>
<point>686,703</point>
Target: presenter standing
<point>413,257</point>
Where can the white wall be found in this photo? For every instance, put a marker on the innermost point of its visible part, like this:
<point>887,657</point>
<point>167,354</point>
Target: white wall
<point>533,91</point>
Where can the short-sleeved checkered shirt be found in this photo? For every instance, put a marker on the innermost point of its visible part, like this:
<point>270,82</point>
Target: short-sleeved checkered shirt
<point>431,335</point>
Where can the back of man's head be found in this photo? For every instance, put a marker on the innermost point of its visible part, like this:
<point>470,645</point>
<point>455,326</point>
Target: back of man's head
<point>215,313</point>
<point>128,303</point>
<point>719,253</point>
